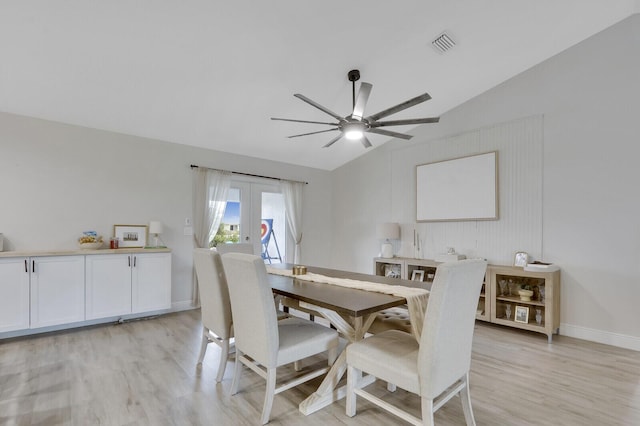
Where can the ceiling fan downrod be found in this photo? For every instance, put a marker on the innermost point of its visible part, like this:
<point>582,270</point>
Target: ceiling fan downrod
<point>353,76</point>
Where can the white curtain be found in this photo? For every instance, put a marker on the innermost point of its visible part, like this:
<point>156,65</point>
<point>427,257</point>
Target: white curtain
<point>210,191</point>
<point>292,192</point>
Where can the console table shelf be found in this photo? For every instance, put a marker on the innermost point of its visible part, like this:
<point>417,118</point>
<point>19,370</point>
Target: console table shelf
<point>492,305</point>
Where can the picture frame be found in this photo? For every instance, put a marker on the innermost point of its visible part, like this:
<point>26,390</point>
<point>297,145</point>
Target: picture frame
<point>520,259</point>
<point>522,314</point>
<point>417,275</point>
<point>392,270</point>
<point>130,236</point>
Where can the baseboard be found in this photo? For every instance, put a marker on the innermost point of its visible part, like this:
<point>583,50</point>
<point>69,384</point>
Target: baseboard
<point>185,305</point>
<point>599,336</point>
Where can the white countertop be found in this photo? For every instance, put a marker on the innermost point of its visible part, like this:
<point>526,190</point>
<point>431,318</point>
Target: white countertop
<point>81,252</point>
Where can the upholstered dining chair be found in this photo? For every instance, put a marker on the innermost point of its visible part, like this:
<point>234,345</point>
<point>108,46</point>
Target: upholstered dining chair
<point>235,248</point>
<point>248,249</point>
<point>437,368</point>
<point>215,306</point>
<point>259,335</point>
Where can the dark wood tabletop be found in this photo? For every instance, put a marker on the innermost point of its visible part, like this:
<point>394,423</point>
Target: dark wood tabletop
<point>344,300</point>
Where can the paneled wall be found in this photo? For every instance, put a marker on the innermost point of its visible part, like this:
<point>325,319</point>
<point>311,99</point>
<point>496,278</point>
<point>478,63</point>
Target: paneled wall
<point>519,228</point>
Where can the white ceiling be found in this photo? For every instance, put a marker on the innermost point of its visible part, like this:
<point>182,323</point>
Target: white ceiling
<point>211,73</point>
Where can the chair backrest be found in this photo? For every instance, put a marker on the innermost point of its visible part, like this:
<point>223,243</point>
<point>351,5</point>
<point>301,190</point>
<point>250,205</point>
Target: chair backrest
<point>447,334</point>
<point>215,305</point>
<point>255,323</point>
<point>235,248</point>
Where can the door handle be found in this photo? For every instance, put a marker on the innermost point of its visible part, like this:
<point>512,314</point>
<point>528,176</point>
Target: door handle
<point>246,238</point>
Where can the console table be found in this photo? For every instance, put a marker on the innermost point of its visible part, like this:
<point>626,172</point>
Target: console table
<point>541,314</point>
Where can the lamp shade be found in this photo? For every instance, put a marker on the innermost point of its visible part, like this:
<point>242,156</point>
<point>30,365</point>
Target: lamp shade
<point>388,231</point>
<point>155,227</point>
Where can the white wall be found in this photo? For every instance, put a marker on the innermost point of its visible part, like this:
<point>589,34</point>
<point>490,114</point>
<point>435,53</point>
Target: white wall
<point>58,180</point>
<point>589,96</point>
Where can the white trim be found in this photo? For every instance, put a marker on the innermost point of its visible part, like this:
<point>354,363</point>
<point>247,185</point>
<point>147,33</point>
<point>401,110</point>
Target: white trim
<point>184,305</point>
<point>600,336</point>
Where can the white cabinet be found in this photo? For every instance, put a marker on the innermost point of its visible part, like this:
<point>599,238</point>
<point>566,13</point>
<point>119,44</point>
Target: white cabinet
<point>151,282</point>
<point>57,290</point>
<point>108,283</point>
<point>39,290</point>
<point>119,284</point>
<point>14,294</point>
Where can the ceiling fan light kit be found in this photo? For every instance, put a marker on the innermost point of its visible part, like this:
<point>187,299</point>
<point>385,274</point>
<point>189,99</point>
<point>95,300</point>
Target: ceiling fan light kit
<point>355,125</point>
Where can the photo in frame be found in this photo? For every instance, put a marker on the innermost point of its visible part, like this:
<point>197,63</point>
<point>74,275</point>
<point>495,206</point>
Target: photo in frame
<point>521,259</point>
<point>130,236</point>
<point>392,270</point>
<point>522,314</point>
<point>417,275</point>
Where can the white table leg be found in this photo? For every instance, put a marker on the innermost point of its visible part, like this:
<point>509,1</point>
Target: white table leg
<point>328,391</point>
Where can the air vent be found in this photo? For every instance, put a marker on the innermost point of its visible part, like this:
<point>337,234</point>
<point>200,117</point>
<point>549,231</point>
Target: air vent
<point>443,43</point>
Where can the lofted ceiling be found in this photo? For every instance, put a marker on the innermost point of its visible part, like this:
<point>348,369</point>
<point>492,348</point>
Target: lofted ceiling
<point>211,73</point>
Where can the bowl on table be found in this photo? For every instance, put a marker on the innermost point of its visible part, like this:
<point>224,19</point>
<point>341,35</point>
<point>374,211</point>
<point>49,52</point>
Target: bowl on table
<point>91,246</point>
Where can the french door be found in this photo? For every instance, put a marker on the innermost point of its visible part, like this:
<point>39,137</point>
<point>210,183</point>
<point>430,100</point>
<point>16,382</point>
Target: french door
<point>255,214</point>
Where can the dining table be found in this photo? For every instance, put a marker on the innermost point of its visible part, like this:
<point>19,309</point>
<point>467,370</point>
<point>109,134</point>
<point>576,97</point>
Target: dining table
<point>351,311</point>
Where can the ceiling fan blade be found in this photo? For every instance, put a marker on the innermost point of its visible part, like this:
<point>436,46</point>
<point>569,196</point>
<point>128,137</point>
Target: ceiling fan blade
<point>404,105</point>
<point>361,101</point>
<point>320,107</point>
<point>312,133</point>
<point>366,142</point>
<point>332,141</point>
<point>405,122</point>
<point>390,133</point>
<point>303,121</point>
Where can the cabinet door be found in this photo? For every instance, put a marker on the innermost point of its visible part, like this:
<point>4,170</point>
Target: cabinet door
<point>14,294</point>
<point>108,281</point>
<point>57,290</point>
<point>151,282</point>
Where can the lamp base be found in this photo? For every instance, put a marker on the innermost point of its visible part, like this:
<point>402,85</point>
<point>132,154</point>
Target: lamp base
<point>387,250</point>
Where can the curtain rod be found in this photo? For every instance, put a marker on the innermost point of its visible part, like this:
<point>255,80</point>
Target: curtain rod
<point>193,166</point>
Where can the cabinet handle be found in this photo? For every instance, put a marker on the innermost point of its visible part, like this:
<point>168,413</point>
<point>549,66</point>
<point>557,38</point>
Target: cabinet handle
<point>129,259</point>
<point>33,266</point>
<point>26,267</point>
<point>135,258</point>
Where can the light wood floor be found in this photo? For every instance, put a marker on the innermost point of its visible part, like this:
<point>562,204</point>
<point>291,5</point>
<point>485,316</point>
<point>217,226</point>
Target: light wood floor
<point>144,372</point>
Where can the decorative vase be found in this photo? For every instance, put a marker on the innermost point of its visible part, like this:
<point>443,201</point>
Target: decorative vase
<point>539,316</point>
<point>503,287</point>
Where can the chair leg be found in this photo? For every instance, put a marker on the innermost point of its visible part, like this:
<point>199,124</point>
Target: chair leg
<point>224,354</point>
<point>236,373</point>
<point>427,411</point>
<point>465,397</point>
<point>297,365</point>
<point>352,378</point>
<point>268,396</point>
<point>204,344</point>
<point>332,355</point>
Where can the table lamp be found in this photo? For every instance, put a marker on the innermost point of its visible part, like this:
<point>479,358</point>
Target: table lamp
<point>156,228</point>
<point>387,232</point>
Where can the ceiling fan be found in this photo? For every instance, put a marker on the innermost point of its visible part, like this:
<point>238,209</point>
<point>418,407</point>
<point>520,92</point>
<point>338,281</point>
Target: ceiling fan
<point>355,125</point>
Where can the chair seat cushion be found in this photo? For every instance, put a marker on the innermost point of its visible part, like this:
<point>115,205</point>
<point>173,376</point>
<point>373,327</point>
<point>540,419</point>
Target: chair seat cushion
<point>391,356</point>
<point>391,319</point>
<point>301,338</point>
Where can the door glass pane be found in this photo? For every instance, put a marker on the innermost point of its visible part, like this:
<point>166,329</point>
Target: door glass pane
<point>273,228</point>
<point>229,230</point>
